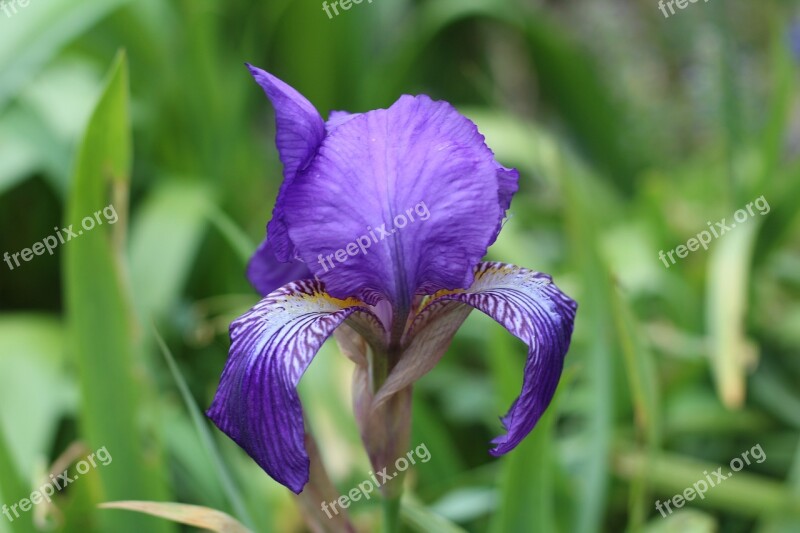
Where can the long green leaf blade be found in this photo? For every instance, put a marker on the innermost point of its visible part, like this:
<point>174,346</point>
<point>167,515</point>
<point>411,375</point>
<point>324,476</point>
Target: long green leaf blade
<point>99,309</point>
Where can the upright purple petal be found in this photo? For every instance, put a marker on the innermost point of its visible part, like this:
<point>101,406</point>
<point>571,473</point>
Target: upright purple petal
<point>420,165</point>
<point>508,182</point>
<point>529,306</point>
<point>266,273</point>
<point>337,118</point>
<point>257,404</point>
<point>299,131</point>
<point>299,128</point>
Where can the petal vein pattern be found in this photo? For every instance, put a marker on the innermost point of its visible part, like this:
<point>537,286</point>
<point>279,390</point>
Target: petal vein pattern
<point>530,306</point>
<point>257,404</point>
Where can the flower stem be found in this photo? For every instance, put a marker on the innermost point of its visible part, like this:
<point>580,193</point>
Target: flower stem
<point>379,371</point>
<point>391,513</point>
<point>385,432</point>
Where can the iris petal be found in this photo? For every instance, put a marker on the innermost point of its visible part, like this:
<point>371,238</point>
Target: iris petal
<point>337,118</point>
<point>527,304</point>
<point>419,159</point>
<point>257,404</point>
<point>299,131</point>
<point>508,181</point>
<point>266,273</point>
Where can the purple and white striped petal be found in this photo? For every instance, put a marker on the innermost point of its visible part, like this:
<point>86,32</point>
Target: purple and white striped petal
<point>257,404</point>
<point>529,306</point>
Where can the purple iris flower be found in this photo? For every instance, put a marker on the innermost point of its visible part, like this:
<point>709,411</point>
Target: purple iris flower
<point>397,301</point>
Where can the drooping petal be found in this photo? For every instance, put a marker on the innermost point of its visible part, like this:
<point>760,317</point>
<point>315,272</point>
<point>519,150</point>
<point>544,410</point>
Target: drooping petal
<point>266,273</point>
<point>299,131</point>
<point>527,304</point>
<point>257,404</point>
<point>412,190</point>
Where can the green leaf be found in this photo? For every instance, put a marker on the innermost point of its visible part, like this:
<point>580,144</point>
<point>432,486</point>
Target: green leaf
<point>741,492</point>
<point>641,370</point>
<point>38,32</point>
<point>13,488</point>
<point>99,310</point>
<point>595,316</point>
<point>683,521</point>
<point>164,241</point>
<point>785,523</point>
<point>32,351</point>
<point>726,301</point>
<point>421,519</point>
<point>643,382</point>
<point>191,515</point>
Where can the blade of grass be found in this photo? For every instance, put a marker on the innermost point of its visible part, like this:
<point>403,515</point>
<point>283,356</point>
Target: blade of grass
<point>419,518</point>
<point>595,314</point>
<point>785,523</point>
<point>643,382</point>
<point>641,370</point>
<point>224,476</point>
<point>780,103</point>
<point>731,123</point>
<point>233,234</point>
<point>743,493</point>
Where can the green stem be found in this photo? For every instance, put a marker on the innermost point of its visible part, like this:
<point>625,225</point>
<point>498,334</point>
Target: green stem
<point>379,370</point>
<point>380,367</point>
<point>391,513</point>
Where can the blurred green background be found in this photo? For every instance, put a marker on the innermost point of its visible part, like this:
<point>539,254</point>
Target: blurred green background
<point>631,132</point>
